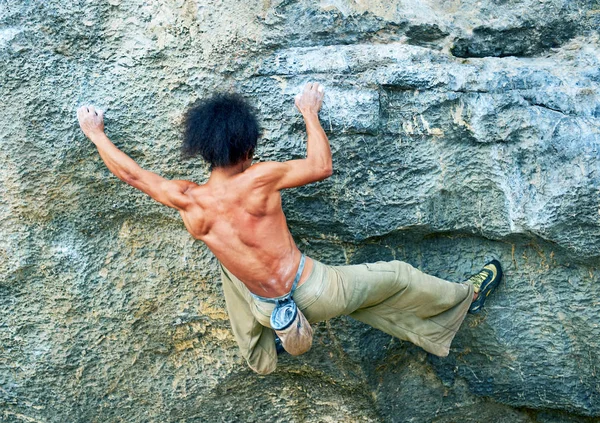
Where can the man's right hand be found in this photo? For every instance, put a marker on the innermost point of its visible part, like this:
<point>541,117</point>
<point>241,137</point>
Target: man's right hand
<point>311,99</point>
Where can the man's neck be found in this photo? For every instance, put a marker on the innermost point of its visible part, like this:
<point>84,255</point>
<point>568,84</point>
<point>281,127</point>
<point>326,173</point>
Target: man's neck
<point>219,174</point>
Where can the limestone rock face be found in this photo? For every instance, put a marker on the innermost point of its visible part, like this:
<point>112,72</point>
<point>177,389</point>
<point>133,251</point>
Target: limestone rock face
<point>461,131</point>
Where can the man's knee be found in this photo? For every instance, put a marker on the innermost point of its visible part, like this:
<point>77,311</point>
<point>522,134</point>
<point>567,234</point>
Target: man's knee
<point>399,271</point>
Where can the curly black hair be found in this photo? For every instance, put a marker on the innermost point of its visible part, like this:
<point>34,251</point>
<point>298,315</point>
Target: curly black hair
<point>222,128</point>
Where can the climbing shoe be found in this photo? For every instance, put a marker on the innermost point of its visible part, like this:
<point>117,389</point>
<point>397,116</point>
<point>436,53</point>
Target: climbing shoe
<point>484,283</point>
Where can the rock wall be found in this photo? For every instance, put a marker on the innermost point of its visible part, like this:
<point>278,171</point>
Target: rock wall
<point>461,131</point>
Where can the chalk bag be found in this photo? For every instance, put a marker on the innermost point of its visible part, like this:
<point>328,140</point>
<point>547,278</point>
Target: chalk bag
<point>291,326</point>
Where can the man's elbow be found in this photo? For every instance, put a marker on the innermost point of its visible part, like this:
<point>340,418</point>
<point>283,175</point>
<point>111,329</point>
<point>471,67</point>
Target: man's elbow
<point>321,171</point>
<point>321,174</point>
<point>327,172</point>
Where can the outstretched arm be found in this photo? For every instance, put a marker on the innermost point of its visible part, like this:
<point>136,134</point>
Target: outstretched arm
<point>317,165</point>
<point>165,191</point>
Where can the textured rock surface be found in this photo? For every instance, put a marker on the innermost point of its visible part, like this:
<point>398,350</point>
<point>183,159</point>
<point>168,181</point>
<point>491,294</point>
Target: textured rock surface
<point>461,130</point>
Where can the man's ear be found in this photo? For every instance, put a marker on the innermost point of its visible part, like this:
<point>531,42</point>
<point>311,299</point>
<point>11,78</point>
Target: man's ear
<point>250,154</point>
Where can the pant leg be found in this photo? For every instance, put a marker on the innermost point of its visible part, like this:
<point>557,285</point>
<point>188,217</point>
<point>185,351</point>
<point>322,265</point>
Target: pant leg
<point>418,307</point>
<point>256,342</point>
<point>396,298</point>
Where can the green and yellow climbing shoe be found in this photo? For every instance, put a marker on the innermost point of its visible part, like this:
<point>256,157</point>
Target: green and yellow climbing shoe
<point>484,283</point>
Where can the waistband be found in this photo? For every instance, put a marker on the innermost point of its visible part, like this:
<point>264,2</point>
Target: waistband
<point>282,298</point>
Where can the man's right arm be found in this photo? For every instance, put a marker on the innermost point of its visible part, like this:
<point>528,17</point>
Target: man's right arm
<point>317,165</point>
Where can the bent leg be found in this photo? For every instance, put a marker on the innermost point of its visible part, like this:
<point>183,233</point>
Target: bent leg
<point>391,296</point>
<point>256,342</point>
<point>407,303</point>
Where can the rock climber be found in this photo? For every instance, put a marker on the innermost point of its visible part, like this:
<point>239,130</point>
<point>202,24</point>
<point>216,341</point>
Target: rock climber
<point>272,291</point>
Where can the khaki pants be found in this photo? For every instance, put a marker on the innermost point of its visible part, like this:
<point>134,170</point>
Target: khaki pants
<point>391,296</point>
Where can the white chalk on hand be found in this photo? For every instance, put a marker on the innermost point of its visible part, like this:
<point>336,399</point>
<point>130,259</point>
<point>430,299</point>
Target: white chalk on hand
<point>321,88</point>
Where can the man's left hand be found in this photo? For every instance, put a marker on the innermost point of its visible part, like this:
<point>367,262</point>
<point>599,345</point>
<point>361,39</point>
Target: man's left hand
<point>91,121</point>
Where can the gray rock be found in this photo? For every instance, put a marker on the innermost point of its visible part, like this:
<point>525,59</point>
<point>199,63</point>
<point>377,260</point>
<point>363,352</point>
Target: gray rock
<point>461,131</point>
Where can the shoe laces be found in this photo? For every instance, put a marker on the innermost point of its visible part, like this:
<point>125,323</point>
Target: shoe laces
<point>477,280</point>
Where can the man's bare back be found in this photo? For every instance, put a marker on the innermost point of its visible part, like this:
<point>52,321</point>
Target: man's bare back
<point>237,213</point>
<point>244,226</point>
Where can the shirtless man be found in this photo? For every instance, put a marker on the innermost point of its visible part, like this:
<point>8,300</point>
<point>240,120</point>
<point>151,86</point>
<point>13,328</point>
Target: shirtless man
<point>238,215</point>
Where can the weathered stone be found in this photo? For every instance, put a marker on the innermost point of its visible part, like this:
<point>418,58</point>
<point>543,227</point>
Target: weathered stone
<point>110,312</point>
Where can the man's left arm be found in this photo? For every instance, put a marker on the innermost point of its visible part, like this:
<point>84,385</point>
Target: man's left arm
<point>168,192</point>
